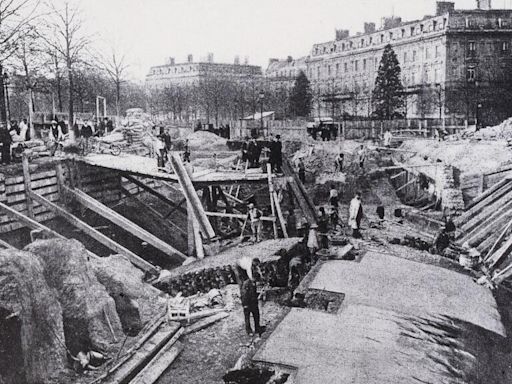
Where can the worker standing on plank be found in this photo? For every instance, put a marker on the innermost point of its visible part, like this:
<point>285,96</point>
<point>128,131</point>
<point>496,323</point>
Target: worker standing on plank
<point>254,217</point>
<point>356,215</point>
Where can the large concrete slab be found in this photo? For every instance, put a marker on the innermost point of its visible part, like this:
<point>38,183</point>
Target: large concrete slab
<point>408,287</point>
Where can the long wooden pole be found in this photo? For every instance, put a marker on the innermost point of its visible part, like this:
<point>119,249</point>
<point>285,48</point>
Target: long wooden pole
<point>191,195</point>
<point>95,234</point>
<point>271,194</point>
<point>124,223</point>
<point>28,185</point>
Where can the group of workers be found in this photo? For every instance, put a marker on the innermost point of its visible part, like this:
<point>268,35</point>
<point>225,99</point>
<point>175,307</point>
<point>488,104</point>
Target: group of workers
<point>251,153</point>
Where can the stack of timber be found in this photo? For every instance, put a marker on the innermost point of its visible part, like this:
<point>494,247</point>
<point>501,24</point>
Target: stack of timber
<point>482,223</point>
<point>299,191</point>
<point>132,362</point>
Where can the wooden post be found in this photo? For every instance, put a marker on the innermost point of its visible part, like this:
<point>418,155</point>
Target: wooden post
<point>481,185</point>
<point>60,178</point>
<point>28,185</point>
<point>271,191</point>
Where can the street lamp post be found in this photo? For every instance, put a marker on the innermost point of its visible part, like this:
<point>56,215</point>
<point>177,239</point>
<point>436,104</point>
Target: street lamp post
<point>262,97</point>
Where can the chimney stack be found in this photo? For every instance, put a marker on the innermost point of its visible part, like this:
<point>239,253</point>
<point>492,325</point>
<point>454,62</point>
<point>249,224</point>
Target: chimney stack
<point>289,59</point>
<point>170,61</point>
<point>443,7</point>
<point>237,60</point>
<point>342,34</point>
<point>190,58</point>
<point>369,27</point>
<point>484,5</point>
<point>210,57</point>
<point>246,60</point>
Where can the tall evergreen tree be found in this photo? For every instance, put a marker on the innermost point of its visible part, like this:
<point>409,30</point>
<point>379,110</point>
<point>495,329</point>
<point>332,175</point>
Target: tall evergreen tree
<point>388,94</point>
<point>301,96</point>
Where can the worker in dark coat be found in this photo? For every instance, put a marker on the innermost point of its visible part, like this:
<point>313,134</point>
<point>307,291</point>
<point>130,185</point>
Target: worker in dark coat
<point>245,150</point>
<point>6,141</point>
<point>276,156</point>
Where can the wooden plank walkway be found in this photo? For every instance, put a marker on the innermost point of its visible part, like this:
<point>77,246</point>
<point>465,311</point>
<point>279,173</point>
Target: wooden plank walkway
<point>147,167</point>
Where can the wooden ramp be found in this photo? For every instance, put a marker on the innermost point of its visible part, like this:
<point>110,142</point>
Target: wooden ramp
<point>124,223</point>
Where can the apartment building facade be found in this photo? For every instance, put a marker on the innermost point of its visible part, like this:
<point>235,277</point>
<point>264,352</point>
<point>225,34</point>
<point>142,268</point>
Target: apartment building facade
<point>454,64</point>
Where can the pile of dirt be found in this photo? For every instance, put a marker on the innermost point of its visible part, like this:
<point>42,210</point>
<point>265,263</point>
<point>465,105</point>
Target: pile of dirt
<point>204,140</point>
<point>31,329</point>
<point>90,318</point>
<point>136,301</point>
<point>468,156</point>
<point>500,131</point>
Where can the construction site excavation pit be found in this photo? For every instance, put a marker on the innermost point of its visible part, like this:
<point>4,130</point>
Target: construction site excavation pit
<point>128,271</point>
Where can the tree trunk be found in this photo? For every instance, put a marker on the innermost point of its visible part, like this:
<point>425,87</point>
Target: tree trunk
<point>118,97</point>
<point>70,94</point>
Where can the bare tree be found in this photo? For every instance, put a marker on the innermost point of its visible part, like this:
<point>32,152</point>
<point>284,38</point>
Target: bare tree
<point>14,16</point>
<point>29,60</point>
<point>115,66</point>
<point>65,36</point>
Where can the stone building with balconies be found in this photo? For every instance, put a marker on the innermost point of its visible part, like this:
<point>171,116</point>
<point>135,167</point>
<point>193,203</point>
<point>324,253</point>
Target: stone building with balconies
<point>454,64</point>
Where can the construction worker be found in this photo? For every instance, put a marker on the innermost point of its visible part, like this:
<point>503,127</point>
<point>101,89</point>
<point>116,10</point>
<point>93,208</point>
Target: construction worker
<point>323,228</point>
<point>254,217</point>
<point>291,224</point>
<point>186,153</point>
<point>361,157</point>
<point>338,162</point>
<point>356,215</point>
<point>302,171</point>
<point>388,136</point>
<point>333,196</point>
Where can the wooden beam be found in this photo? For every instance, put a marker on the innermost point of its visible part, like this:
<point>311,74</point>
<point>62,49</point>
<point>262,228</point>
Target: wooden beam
<point>152,210</point>
<point>163,359</point>
<point>490,258</point>
<point>109,214</point>
<point>270,191</point>
<point>95,234</point>
<point>485,202</point>
<point>152,191</point>
<point>6,245</point>
<point>487,193</point>
<point>397,175</point>
<point>501,276</point>
<point>237,216</point>
<point>191,196</point>
<point>406,184</point>
<point>28,185</point>
<point>27,221</point>
<point>179,206</point>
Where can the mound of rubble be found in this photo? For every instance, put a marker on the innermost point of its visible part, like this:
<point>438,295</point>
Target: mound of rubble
<point>500,131</point>
<point>31,326</point>
<point>57,300</point>
<point>204,140</point>
<point>90,317</point>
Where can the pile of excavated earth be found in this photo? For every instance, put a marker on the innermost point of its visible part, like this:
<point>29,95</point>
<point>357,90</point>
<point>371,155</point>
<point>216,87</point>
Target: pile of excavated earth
<point>62,301</point>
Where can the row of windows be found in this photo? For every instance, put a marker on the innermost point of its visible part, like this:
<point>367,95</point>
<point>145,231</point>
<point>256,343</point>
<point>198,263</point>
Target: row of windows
<point>384,37</point>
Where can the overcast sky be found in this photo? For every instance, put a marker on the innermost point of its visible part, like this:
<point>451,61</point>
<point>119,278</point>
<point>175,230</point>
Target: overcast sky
<point>152,30</point>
